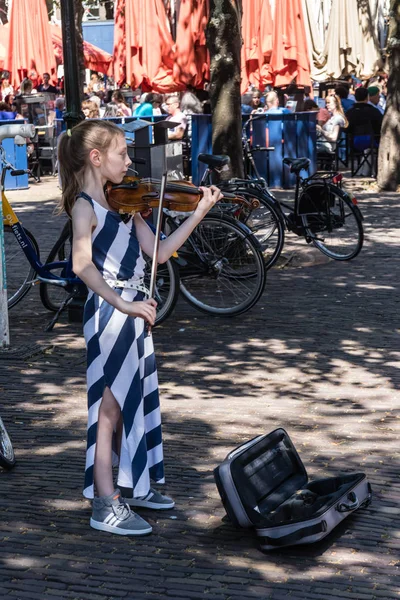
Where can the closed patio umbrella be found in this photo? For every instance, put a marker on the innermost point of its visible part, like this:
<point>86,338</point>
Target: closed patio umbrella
<point>257,30</point>
<point>314,41</point>
<point>289,58</point>
<point>29,44</point>
<point>192,63</point>
<point>351,45</point>
<point>148,47</point>
<point>94,58</point>
<point>119,43</point>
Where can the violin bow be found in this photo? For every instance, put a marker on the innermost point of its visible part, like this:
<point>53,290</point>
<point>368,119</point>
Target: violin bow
<point>154,264</point>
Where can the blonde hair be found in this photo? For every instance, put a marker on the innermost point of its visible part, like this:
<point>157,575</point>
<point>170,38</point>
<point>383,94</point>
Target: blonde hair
<point>339,108</point>
<point>93,108</point>
<point>73,150</point>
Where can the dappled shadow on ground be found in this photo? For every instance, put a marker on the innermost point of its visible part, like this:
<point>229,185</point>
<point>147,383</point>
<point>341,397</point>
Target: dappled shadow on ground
<point>318,356</point>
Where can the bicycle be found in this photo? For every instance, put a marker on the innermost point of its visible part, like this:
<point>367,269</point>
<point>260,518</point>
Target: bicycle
<point>59,286</point>
<point>219,270</point>
<point>323,213</point>
<point>166,288</point>
<point>22,256</point>
<point>221,267</point>
<point>7,455</point>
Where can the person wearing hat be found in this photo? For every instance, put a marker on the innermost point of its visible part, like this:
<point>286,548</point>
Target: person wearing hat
<point>375,98</point>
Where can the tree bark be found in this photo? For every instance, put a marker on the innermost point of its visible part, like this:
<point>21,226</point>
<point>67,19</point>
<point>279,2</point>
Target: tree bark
<point>224,42</point>
<point>389,147</point>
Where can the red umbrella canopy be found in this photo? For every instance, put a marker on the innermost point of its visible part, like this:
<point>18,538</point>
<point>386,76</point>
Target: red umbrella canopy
<point>148,46</point>
<point>257,31</point>
<point>119,43</point>
<point>94,58</point>
<point>192,63</point>
<point>290,58</point>
<point>29,45</point>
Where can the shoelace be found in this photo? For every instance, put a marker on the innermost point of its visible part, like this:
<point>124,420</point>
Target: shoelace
<point>122,511</point>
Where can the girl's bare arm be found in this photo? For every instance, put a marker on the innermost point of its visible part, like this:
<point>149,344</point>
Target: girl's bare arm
<point>83,222</point>
<point>174,241</point>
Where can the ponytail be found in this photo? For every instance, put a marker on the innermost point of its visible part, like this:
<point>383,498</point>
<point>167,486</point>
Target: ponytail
<point>73,150</point>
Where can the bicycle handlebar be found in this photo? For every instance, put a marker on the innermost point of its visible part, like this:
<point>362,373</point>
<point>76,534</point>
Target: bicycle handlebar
<point>19,132</point>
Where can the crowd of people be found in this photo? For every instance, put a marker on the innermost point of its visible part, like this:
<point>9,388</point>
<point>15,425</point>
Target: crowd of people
<point>357,109</point>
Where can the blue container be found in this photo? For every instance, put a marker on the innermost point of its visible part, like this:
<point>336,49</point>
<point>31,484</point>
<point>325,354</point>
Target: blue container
<point>292,135</point>
<point>18,157</point>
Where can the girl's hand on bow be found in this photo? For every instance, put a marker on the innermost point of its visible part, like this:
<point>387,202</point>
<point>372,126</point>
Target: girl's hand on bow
<point>145,309</point>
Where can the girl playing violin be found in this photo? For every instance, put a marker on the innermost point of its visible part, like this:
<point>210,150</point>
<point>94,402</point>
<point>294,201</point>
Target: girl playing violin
<point>124,425</point>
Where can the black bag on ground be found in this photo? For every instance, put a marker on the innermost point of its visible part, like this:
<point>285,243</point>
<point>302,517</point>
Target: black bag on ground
<point>264,485</point>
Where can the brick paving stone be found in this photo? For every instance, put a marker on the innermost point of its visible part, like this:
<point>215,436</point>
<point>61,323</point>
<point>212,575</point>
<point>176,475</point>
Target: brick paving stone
<point>318,355</point>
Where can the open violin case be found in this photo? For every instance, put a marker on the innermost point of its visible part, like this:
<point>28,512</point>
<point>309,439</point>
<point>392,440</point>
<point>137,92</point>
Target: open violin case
<point>264,485</point>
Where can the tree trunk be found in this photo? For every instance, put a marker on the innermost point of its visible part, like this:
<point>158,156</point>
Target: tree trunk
<point>224,42</point>
<point>389,147</point>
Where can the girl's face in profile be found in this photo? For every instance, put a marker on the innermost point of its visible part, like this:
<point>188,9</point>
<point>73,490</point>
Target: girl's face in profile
<point>115,161</point>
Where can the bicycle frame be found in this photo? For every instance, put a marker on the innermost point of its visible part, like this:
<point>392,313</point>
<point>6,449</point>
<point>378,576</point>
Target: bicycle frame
<point>44,271</point>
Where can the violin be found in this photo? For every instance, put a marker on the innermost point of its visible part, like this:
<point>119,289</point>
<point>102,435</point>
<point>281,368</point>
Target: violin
<point>134,195</point>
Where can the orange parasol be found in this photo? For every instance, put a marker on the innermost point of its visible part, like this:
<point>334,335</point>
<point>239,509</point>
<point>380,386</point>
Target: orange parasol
<point>119,43</point>
<point>148,46</point>
<point>257,28</point>
<point>290,56</point>
<point>192,63</point>
<point>29,46</point>
<point>95,58</point>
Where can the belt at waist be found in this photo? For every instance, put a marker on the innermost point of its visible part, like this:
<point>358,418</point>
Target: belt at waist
<point>131,284</point>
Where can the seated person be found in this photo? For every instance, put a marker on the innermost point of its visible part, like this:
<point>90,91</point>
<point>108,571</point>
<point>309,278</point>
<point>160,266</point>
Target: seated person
<point>46,85</point>
<point>119,99</point>
<point>343,92</point>
<point>247,99</point>
<point>328,133</point>
<point>177,116</point>
<point>364,121</point>
<point>376,99</point>
<point>323,114</point>
<point>145,108</point>
<point>272,104</point>
<point>6,113</point>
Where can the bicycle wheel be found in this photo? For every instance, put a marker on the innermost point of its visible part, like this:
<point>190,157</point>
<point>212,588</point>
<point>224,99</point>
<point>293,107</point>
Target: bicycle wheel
<point>7,456</point>
<point>19,272</point>
<point>52,296</point>
<point>221,267</point>
<point>267,225</point>
<point>331,221</point>
<point>166,289</point>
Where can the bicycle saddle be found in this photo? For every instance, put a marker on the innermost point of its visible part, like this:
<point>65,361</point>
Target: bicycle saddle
<point>297,164</point>
<point>214,160</point>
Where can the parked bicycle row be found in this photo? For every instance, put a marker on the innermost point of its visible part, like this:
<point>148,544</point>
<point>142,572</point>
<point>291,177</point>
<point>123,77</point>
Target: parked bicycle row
<point>221,268</point>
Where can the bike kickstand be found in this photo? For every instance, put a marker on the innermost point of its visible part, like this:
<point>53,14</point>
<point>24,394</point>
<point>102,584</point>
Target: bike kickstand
<point>63,306</point>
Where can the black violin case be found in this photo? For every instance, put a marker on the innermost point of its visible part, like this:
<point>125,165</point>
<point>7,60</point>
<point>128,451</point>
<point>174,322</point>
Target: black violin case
<point>264,485</point>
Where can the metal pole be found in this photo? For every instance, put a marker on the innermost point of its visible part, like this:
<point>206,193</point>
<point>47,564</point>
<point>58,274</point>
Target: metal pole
<point>73,113</point>
<point>4,326</point>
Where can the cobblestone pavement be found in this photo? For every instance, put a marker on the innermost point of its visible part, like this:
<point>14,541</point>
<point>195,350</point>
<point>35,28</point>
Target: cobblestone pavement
<point>319,356</point>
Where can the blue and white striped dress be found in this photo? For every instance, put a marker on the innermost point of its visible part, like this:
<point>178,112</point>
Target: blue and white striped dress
<point>120,355</point>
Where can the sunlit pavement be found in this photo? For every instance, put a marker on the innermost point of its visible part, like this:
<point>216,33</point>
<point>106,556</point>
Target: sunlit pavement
<point>318,355</point>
